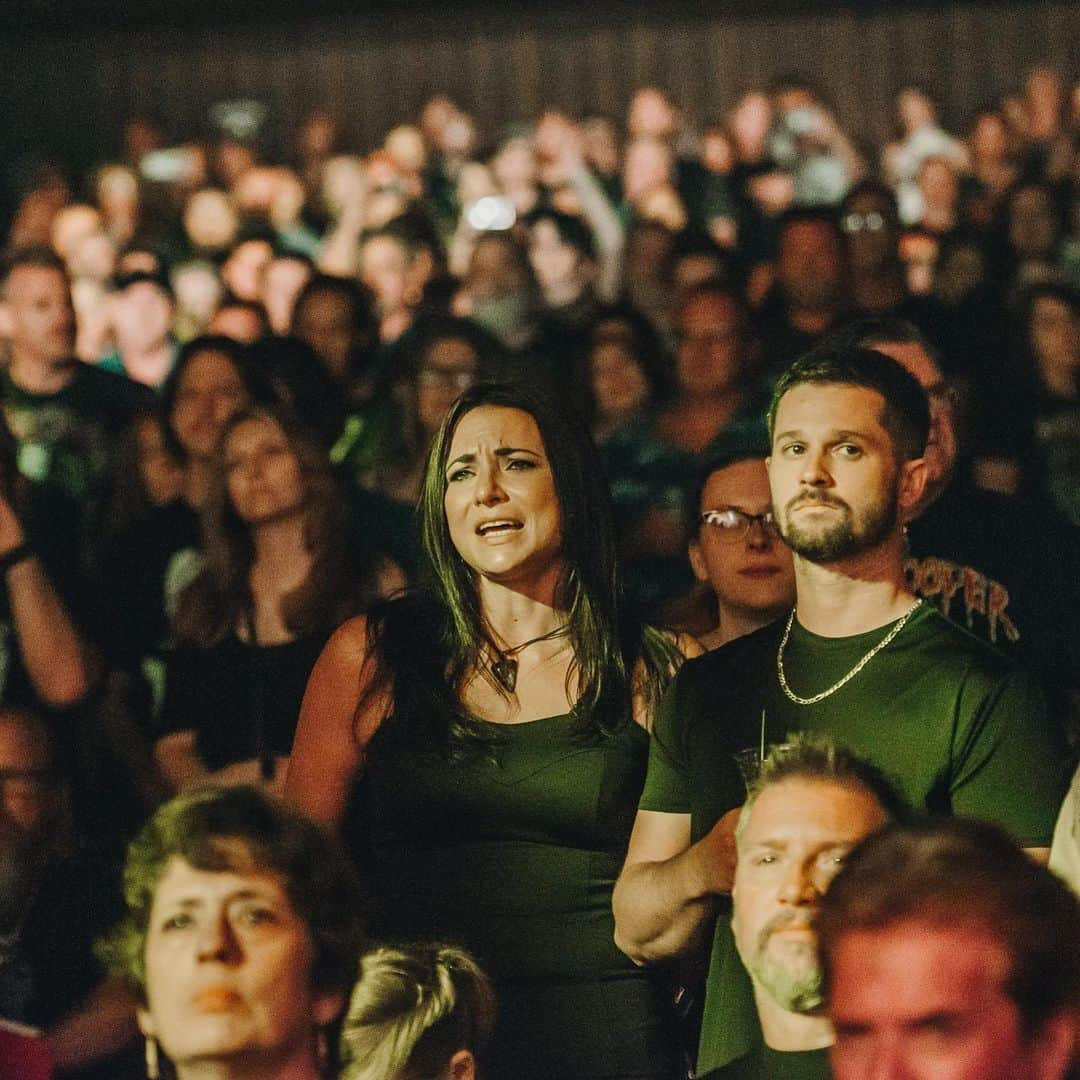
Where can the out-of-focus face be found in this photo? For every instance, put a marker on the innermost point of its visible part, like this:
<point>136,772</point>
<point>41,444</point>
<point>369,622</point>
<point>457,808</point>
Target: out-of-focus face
<point>495,269</point>
<point>161,474</point>
<point>747,565</point>
<point>41,315</point>
<point>915,110</point>
<point>228,973</point>
<point>708,359</point>
<point>1054,328</point>
<point>72,226</point>
<point>620,388</point>
<point>27,797</point>
<point>651,115</point>
<point>237,321</point>
<point>141,316</point>
<point>384,268</point>
<point>717,154</point>
<point>1032,225</point>
<point>344,183</point>
<point>810,264</point>
<point>601,139</point>
<point>117,191</point>
<point>325,321</point>
<point>990,138</point>
<point>29,803</point>
<point>795,839</point>
<point>942,445</point>
<point>647,165</point>
<point>869,231</point>
<point>262,473</point>
<point>916,1001</point>
<point>94,257</point>
<point>939,184</point>
<point>501,506</point>
<point>836,486</point>
<point>555,262</point>
<point>448,370</point>
<point>750,121</point>
<point>405,145</point>
<point>243,270</point>
<point>514,164</point>
<point>210,392</point>
<point>198,290</point>
<point>318,134</point>
<point>281,284</point>
<point>210,220</point>
<point>1043,98</point>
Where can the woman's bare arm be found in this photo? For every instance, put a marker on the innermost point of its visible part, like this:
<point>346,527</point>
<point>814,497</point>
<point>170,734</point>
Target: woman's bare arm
<point>328,751</point>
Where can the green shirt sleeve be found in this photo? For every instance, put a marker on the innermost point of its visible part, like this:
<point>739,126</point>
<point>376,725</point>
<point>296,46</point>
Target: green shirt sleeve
<point>667,788</point>
<point>1007,768</point>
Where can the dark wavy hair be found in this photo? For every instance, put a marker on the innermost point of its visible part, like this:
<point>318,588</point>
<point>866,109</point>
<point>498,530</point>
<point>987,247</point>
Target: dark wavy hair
<point>429,645</point>
<point>217,599</point>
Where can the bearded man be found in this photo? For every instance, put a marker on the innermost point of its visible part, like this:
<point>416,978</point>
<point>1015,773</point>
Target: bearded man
<point>860,658</point>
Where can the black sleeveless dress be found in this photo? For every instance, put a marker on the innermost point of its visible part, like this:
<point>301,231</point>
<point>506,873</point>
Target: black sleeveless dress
<point>515,859</point>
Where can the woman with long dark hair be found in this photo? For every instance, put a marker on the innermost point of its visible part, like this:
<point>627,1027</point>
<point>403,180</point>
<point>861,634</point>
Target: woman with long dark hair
<point>276,580</point>
<point>493,717</point>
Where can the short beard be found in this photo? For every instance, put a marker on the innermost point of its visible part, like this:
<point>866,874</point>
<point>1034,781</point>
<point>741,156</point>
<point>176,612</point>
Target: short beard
<point>796,986</point>
<point>844,539</point>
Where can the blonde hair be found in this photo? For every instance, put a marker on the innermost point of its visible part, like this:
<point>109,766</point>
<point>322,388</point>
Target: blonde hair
<point>413,1008</point>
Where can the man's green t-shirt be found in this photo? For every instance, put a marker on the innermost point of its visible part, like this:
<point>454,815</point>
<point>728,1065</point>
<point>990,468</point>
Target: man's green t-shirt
<point>764,1063</point>
<point>954,724</point>
<point>68,438</point>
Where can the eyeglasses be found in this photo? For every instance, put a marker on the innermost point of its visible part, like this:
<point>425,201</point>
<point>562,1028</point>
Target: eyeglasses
<point>872,222</point>
<point>732,525</point>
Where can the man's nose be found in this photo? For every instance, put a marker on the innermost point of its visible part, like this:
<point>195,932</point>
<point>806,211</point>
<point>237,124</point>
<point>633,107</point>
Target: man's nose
<point>887,1062</point>
<point>800,886</point>
<point>813,471</point>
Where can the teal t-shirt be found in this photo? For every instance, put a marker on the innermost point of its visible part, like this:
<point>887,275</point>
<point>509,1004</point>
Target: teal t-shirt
<point>954,724</point>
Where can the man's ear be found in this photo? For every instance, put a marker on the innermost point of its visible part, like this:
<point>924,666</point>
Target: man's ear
<point>912,485</point>
<point>462,1066</point>
<point>145,1022</point>
<point>1055,1043</point>
<point>697,561</point>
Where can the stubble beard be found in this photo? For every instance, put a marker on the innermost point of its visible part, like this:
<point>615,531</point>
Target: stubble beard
<point>792,979</point>
<point>845,537</point>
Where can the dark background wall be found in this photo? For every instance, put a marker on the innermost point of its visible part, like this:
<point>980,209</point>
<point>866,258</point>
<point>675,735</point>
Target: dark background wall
<point>70,73</point>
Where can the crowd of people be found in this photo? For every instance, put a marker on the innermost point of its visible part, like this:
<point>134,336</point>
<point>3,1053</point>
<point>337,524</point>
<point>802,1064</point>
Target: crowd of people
<point>462,603</point>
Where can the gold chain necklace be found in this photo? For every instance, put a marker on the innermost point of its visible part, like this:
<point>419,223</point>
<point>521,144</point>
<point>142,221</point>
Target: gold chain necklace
<point>851,674</point>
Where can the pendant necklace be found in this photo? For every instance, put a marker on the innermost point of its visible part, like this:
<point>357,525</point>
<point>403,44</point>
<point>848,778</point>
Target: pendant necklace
<point>851,674</point>
<point>505,669</point>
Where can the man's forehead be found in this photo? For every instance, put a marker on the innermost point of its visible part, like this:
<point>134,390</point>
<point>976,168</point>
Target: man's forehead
<point>861,404</point>
<point>812,804</point>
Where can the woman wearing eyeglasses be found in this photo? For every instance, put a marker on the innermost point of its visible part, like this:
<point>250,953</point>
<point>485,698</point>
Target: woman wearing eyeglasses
<point>736,550</point>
